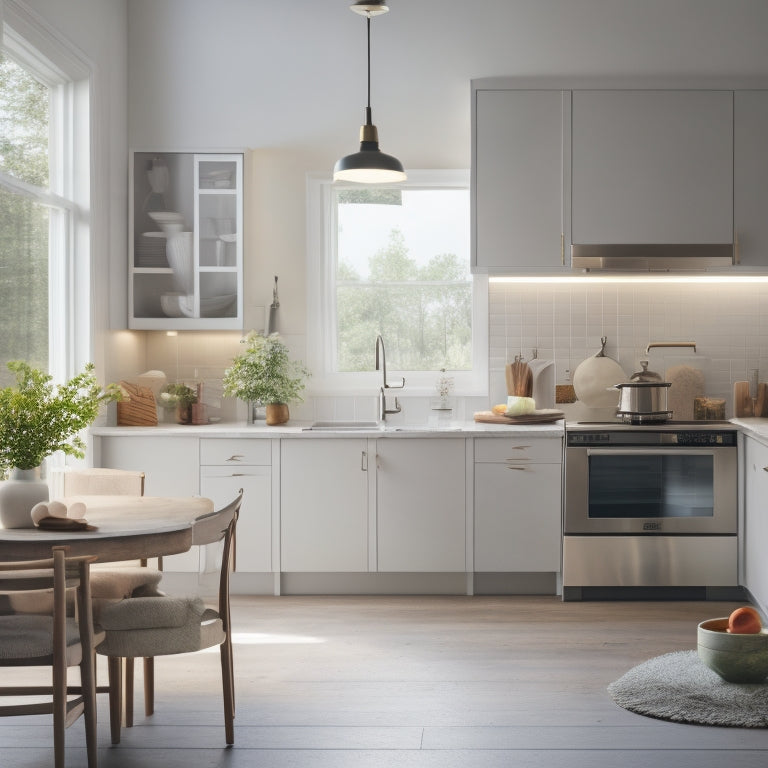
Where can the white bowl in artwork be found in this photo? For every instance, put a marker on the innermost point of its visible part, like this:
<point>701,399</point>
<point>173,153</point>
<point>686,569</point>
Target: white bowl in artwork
<point>170,303</point>
<point>163,218</point>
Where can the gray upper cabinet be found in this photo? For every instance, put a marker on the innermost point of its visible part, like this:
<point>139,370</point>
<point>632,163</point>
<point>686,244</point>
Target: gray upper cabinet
<point>652,166</point>
<point>518,163</point>
<point>750,177</point>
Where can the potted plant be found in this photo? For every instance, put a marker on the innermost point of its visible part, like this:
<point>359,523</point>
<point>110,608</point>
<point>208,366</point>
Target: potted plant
<point>38,418</point>
<point>266,374</point>
<point>182,398</point>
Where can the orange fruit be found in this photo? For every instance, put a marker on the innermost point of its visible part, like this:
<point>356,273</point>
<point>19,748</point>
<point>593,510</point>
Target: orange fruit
<point>744,621</point>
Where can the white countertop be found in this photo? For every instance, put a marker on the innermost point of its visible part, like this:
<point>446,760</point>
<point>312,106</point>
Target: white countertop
<point>756,427</point>
<point>299,429</point>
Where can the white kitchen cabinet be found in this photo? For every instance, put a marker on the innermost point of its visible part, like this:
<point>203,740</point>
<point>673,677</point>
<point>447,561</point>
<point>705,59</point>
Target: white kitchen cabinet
<point>227,465</point>
<point>186,241</point>
<point>517,504</point>
<point>750,177</point>
<point>652,166</point>
<point>324,505</point>
<point>172,468</point>
<point>421,505</point>
<point>755,533</point>
<point>519,171</point>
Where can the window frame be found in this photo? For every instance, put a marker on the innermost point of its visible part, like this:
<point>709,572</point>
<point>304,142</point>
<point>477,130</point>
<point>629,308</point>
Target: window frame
<point>28,41</point>
<point>321,322</point>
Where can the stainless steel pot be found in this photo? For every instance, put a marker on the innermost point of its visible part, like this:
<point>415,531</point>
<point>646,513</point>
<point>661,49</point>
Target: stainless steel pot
<point>643,401</point>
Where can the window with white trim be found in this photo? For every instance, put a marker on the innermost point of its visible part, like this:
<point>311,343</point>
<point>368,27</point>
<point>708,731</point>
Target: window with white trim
<point>394,260</point>
<point>39,105</point>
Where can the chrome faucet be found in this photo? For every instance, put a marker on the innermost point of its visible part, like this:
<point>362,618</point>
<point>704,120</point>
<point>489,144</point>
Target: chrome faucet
<point>381,365</point>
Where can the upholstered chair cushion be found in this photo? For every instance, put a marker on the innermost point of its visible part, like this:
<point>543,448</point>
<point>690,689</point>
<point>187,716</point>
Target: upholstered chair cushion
<point>118,582</point>
<point>158,626</point>
<point>28,636</point>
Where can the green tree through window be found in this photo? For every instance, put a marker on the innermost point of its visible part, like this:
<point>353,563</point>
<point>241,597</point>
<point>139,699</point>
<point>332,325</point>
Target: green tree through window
<point>420,301</point>
<point>24,223</point>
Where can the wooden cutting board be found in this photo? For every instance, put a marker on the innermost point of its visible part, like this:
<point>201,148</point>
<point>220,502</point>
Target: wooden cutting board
<point>541,416</point>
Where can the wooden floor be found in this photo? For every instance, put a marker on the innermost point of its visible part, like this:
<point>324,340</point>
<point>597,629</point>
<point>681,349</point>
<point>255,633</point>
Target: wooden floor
<point>423,682</point>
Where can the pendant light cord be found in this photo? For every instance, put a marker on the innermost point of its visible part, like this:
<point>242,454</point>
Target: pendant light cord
<point>368,119</point>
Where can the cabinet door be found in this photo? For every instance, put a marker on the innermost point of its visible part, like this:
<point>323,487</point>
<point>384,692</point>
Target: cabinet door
<point>652,166</point>
<point>517,179</point>
<point>421,504</point>
<point>755,533</point>
<point>750,177</point>
<point>186,241</point>
<point>324,505</point>
<point>253,535</point>
<point>172,468</point>
<point>517,517</point>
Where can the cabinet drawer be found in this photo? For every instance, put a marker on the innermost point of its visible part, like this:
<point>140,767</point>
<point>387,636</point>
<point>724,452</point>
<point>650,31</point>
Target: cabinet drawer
<point>514,449</point>
<point>232,452</point>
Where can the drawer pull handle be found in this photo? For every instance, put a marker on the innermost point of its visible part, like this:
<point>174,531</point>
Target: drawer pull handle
<point>364,461</point>
<point>517,467</point>
<point>236,457</point>
<point>520,447</point>
<point>765,469</point>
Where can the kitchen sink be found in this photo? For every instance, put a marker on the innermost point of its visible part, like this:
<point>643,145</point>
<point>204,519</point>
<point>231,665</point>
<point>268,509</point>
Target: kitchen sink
<point>343,426</point>
<point>419,428</point>
<point>373,426</point>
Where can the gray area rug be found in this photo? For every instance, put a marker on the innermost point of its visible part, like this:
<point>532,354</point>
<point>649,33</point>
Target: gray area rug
<point>678,686</point>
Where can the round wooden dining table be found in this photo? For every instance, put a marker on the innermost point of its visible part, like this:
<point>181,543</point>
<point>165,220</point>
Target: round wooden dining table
<point>119,528</point>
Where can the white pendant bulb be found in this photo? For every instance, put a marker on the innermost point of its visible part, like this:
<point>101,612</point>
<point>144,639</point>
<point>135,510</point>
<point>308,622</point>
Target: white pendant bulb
<point>370,165</point>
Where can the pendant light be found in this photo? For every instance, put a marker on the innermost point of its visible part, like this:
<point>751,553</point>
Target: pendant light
<point>370,165</point>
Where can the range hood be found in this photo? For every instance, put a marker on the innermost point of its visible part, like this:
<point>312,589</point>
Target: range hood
<point>652,258</point>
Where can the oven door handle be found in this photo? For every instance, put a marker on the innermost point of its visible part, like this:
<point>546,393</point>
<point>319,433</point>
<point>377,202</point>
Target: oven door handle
<point>655,451</point>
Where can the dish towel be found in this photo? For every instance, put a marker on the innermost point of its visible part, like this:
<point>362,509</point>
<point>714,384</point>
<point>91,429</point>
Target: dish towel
<point>76,510</point>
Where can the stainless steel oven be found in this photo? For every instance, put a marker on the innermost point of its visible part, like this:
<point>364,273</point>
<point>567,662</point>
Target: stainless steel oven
<point>652,506</point>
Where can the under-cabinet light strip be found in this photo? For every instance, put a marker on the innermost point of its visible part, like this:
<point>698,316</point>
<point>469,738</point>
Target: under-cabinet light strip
<point>711,279</point>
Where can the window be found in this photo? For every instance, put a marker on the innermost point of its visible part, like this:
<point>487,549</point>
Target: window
<point>41,224</point>
<point>394,261</point>
<point>24,222</point>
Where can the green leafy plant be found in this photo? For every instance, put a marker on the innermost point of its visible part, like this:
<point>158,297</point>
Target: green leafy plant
<point>177,394</point>
<point>38,418</point>
<point>265,372</point>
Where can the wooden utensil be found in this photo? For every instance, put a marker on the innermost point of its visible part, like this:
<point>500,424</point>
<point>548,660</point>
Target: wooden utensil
<point>742,401</point>
<point>761,404</point>
<point>519,379</point>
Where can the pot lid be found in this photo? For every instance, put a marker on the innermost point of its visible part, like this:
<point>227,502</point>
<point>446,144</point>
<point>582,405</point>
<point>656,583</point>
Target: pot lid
<point>645,374</point>
<point>642,384</point>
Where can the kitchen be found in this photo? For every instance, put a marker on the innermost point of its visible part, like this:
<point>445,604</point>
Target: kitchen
<point>186,75</point>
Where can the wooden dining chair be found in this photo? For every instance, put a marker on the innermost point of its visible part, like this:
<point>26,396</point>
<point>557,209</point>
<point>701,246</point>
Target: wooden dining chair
<point>37,631</point>
<point>165,625</point>
<point>115,581</point>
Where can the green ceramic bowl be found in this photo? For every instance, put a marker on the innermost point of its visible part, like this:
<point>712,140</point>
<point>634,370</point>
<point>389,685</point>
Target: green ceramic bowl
<point>736,658</point>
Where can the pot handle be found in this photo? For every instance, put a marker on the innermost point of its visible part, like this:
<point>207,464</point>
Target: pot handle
<point>654,344</point>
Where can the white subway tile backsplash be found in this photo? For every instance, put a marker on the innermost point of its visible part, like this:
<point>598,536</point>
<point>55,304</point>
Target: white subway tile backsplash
<point>728,322</point>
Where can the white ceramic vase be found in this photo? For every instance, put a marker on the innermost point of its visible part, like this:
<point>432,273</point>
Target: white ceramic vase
<point>18,495</point>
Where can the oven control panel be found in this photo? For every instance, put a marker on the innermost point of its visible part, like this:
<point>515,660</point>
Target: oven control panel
<point>643,436</point>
